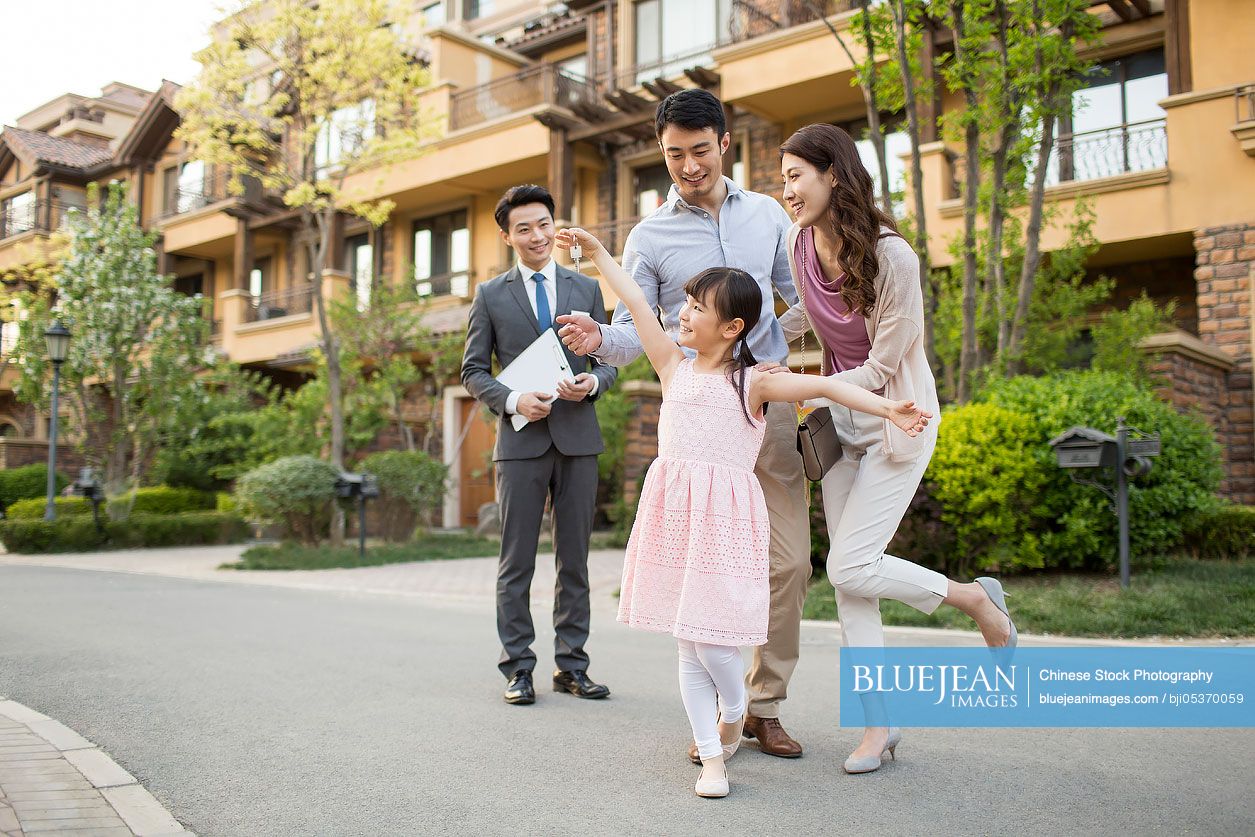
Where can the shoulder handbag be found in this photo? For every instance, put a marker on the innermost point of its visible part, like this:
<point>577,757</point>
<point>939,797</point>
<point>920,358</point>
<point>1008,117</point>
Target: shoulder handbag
<point>817,439</point>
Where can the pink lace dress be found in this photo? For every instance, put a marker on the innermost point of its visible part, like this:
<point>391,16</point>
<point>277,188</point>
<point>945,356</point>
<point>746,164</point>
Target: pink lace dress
<point>696,563</point>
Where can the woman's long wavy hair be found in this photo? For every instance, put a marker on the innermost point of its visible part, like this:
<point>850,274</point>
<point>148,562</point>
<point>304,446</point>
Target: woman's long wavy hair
<point>733,294</point>
<point>852,210</point>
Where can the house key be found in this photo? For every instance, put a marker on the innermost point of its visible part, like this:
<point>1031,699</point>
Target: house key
<point>576,253</point>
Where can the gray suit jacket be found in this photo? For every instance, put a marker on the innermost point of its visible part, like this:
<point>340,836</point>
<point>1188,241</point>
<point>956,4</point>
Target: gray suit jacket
<point>502,322</point>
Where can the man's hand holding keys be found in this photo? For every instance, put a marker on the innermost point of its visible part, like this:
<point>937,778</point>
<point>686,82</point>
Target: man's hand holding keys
<point>580,332</point>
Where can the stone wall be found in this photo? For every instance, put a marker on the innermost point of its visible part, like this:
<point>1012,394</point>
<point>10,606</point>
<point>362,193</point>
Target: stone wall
<point>1225,276</point>
<point>641,438</point>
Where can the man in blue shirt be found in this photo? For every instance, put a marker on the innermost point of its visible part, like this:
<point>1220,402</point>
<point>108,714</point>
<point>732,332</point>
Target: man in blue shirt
<point>710,221</point>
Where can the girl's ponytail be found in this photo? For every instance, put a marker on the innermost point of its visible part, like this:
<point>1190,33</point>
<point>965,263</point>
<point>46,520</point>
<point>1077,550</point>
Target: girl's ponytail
<point>744,360</point>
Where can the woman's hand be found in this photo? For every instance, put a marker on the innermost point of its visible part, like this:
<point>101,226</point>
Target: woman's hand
<point>588,242</point>
<point>909,419</point>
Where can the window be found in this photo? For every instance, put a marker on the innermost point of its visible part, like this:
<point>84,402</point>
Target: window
<point>433,15</point>
<point>361,268</point>
<point>8,338</point>
<point>740,151</point>
<point>343,134</point>
<point>650,186</point>
<point>259,279</point>
<point>191,186</point>
<point>672,35</point>
<point>1116,124</point>
<point>479,8</point>
<point>442,255</point>
<point>18,214</point>
<point>576,65</point>
<point>190,285</point>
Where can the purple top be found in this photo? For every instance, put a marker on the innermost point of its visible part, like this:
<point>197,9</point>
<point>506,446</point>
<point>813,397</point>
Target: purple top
<point>843,332</point>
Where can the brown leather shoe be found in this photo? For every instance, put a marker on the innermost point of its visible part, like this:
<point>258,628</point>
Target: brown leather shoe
<point>772,739</point>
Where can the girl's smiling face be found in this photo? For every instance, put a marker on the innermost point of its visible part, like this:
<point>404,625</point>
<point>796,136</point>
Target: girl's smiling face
<point>701,328</point>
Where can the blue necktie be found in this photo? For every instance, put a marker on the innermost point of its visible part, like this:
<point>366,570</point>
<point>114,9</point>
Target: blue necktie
<point>543,317</point>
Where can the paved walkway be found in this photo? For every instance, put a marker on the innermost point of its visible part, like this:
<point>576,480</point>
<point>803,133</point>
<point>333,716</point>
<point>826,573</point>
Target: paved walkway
<point>53,782</point>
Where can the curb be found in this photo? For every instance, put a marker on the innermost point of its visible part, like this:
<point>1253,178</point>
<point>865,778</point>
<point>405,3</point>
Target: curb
<point>54,781</point>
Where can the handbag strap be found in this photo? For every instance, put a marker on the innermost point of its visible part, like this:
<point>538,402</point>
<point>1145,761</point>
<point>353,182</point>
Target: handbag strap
<point>801,291</point>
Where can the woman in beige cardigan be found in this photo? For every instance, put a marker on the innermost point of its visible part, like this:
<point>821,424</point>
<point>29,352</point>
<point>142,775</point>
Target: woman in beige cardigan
<point>859,284</point>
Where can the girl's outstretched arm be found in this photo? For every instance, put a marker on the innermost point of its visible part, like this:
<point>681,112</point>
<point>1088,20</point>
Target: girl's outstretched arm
<point>786,386</point>
<point>662,351</point>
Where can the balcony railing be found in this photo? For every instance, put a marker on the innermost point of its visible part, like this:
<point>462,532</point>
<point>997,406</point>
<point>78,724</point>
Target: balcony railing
<point>1244,103</point>
<point>35,216</point>
<point>273,304</point>
<point>748,19</point>
<point>1109,152</point>
<point>541,85</point>
<point>447,284</point>
<point>613,234</point>
<point>189,197</point>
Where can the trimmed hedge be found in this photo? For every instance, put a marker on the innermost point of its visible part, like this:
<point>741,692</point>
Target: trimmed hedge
<point>1226,532</point>
<point>33,509</point>
<point>79,533</point>
<point>411,486</point>
<point>25,483</point>
<point>296,491</point>
<point>162,499</point>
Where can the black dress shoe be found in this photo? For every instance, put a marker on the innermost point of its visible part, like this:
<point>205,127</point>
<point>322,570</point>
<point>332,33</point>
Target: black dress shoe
<point>578,684</point>
<point>520,690</point>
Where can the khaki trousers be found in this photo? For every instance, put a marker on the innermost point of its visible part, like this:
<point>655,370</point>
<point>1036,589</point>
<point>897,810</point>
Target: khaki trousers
<point>865,496</point>
<point>779,471</point>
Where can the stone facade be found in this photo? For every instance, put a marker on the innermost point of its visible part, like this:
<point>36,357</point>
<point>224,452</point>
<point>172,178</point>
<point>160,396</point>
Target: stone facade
<point>1225,273</point>
<point>641,438</point>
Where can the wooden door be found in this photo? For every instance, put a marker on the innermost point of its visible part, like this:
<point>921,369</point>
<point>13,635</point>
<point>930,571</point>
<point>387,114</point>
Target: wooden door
<point>477,478</point>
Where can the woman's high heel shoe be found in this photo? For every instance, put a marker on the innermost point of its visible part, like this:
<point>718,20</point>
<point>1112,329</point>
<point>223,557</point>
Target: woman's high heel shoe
<point>993,589</point>
<point>868,764</point>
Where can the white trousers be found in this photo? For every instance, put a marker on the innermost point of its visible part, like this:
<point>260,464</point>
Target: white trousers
<point>712,686</point>
<point>865,496</point>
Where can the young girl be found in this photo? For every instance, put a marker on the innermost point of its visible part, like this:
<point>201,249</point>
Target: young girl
<point>696,562</point>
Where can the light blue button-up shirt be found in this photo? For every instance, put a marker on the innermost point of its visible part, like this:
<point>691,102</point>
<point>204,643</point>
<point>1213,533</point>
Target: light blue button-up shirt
<point>677,241</point>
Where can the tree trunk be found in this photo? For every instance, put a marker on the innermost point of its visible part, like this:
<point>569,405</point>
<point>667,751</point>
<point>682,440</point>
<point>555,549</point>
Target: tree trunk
<point>1009,119</point>
<point>898,8</point>
<point>115,473</point>
<point>331,354</point>
<point>968,354</point>
<point>869,93</point>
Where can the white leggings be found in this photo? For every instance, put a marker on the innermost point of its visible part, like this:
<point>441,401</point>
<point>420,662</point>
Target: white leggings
<point>712,686</point>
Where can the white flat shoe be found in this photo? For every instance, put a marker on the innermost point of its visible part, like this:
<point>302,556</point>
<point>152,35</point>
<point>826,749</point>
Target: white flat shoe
<point>715,788</point>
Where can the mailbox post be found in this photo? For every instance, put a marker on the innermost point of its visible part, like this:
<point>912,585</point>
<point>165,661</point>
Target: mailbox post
<point>1080,449</point>
<point>362,486</point>
<point>87,486</point>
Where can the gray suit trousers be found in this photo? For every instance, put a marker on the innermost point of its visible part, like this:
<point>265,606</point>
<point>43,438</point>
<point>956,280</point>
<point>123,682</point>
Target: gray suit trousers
<point>522,486</point>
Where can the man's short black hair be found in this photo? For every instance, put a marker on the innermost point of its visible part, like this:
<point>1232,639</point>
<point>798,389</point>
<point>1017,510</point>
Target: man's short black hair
<point>517,196</point>
<point>693,110</point>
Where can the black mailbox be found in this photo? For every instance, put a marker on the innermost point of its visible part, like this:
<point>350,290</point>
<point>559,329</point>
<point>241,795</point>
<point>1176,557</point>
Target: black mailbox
<point>1085,447</point>
<point>364,487</point>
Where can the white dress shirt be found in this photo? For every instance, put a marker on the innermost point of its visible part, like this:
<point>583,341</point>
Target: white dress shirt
<point>550,272</point>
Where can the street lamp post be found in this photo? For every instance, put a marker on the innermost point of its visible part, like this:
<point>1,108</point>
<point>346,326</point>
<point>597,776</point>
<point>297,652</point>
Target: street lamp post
<point>58,337</point>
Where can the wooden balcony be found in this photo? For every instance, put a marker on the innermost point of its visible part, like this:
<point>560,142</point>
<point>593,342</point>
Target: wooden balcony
<point>541,85</point>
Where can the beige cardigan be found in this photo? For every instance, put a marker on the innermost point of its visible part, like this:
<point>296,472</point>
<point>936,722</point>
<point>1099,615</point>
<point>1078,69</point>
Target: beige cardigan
<point>896,330</point>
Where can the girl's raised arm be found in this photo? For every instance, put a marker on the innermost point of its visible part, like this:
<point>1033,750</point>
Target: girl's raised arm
<point>662,351</point>
<point>786,386</point>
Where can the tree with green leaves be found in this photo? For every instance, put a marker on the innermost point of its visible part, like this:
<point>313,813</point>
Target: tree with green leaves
<point>304,97</point>
<point>137,343</point>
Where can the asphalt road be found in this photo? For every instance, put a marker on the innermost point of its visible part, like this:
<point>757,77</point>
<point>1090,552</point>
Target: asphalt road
<point>252,710</point>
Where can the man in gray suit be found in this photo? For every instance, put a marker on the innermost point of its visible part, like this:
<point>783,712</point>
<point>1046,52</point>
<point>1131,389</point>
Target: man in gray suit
<point>554,455</point>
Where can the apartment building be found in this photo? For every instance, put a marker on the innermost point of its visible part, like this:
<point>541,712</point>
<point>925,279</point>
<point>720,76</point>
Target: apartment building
<point>564,93</point>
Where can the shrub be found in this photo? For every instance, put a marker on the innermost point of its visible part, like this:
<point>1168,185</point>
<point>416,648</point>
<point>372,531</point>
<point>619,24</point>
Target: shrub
<point>79,533</point>
<point>411,485</point>
<point>1078,528</point>
<point>226,502</point>
<point>163,499</point>
<point>26,482</point>
<point>33,509</point>
<point>295,491</point>
<point>1224,532</point>
<point>988,482</point>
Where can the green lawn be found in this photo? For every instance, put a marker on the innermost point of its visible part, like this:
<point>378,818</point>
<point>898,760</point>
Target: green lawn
<point>430,547</point>
<point>427,548</point>
<point>1183,597</point>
